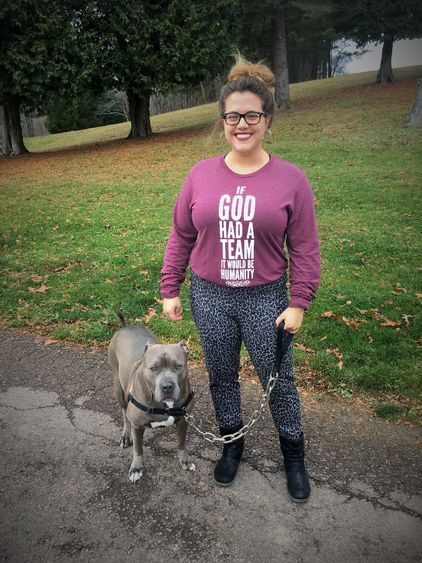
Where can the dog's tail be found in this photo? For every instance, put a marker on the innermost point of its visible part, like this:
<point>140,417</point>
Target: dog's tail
<point>121,317</point>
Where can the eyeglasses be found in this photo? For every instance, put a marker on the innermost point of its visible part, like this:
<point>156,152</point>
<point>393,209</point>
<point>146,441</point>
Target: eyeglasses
<point>251,117</point>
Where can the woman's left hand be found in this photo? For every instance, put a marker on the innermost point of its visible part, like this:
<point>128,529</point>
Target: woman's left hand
<point>292,317</point>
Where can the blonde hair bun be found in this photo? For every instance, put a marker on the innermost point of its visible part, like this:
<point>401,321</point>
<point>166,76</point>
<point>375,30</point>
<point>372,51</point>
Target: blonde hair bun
<point>243,68</point>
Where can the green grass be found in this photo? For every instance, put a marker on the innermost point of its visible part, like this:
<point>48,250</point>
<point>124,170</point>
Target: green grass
<point>390,411</point>
<point>91,224</point>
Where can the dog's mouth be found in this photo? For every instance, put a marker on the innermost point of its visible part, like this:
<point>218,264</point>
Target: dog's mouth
<point>169,403</point>
<point>169,396</point>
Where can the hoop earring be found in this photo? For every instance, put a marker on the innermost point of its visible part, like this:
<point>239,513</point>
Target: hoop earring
<point>270,138</point>
<point>221,134</point>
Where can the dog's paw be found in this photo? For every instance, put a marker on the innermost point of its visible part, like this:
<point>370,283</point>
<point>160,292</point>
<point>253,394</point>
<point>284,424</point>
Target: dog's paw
<point>136,470</point>
<point>185,460</point>
<point>135,475</point>
<point>125,441</point>
<point>188,465</point>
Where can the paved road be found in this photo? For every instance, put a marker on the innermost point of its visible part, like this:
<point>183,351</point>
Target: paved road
<point>65,495</point>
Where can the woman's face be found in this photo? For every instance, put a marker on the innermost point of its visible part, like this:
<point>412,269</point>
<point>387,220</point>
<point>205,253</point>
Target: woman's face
<point>245,139</point>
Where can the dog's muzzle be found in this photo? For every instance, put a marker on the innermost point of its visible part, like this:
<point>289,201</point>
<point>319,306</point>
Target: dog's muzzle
<point>166,388</point>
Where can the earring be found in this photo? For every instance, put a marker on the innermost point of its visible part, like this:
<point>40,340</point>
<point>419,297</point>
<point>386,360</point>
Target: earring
<point>270,138</point>
<point>221,134</point>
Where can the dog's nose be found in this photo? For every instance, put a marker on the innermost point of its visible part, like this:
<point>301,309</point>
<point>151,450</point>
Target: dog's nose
<point>167,387</point>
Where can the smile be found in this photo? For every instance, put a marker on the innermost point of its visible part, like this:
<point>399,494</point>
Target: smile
<point>243,136</point>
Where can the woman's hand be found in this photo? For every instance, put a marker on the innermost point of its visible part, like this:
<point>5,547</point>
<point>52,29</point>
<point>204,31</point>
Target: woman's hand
<point>172,308</point>
<point>292,317</point>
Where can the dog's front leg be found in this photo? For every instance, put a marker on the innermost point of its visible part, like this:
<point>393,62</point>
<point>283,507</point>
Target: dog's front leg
<point>182,453</point>
<point>137,466</point>
<point>126,435</point>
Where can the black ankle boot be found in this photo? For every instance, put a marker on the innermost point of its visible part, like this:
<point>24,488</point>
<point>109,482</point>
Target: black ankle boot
<point>226,468</point>
<point>294,465</point>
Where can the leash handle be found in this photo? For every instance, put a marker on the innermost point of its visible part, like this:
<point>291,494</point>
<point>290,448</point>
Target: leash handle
<point>284,339</point>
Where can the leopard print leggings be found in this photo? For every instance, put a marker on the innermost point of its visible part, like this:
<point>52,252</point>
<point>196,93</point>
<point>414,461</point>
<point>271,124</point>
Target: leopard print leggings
<point>225,317</point>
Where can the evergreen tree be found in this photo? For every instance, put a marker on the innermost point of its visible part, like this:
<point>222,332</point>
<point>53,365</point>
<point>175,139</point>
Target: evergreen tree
<point>66,47</point>
<point>152,46</point>
<point>38,57</point>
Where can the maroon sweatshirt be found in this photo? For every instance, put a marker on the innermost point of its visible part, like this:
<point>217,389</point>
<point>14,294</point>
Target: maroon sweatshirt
<point>232,229</point>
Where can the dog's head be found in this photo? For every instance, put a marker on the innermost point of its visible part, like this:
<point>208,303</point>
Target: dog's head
<point>165,369</point>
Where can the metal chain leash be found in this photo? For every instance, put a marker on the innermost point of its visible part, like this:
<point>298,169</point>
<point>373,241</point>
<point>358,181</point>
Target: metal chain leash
<point>256,415</point>
<point>284,340</point>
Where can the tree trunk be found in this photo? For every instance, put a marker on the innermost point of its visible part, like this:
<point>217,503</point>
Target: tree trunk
<point>415,118</point>
<point>385,73</point>
<point>6,143</point>
<point>29,125</point>
<point>139,115</point>
<point>282,96</point>
<point>12,112</point>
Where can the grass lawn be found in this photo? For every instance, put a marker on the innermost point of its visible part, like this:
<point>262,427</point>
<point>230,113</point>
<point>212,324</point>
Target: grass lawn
<point>85,218</point>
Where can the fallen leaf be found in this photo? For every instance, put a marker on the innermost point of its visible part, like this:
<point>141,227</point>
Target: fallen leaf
<point>389,322</point>
<point>376,314</point>
<point>304,348</point>
<point>50,341</point>
<point>149,315</point>
<point>68,266</point>
<point>107,196</point>
<point>334,352</point>
<point>42,289</point>
<point>350,322</point>
<point>327,314</point>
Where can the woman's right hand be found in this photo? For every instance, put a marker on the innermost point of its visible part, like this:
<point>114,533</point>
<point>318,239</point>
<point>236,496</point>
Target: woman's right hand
<point>172,308</point>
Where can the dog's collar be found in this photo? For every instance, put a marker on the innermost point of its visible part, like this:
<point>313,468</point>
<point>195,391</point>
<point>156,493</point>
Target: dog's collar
<point>174,411</point>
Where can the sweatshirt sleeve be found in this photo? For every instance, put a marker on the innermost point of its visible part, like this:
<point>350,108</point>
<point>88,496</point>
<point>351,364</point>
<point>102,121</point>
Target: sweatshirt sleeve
<point>179,245</point>
<point>303,247</point>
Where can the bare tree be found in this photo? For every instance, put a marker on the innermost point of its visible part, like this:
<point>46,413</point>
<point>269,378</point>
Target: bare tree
<point>415,118</point>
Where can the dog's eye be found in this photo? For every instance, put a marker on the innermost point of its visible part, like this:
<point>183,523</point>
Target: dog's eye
<point>179,366</point>
<point>153,368</point>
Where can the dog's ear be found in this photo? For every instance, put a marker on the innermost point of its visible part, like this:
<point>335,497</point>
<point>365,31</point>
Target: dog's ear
<point>148,345</point>
<point>183,346</point>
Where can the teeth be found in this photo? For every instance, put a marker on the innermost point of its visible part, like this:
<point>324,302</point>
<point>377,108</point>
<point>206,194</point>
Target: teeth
<point>243,135</point>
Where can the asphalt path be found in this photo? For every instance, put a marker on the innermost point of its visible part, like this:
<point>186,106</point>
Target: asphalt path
<point>66,496</point>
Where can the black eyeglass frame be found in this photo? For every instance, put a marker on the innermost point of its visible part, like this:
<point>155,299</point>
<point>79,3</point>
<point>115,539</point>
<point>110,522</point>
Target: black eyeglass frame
<point>240,115</point>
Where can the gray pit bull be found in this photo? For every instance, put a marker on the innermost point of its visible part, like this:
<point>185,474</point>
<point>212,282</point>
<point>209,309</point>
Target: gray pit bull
<point>152,387</point>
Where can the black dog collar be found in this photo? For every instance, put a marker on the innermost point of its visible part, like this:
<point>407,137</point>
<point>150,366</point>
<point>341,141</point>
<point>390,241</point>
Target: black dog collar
<point>176,412</point>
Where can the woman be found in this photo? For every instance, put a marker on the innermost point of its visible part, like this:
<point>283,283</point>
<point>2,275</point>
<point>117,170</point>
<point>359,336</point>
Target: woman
<point>231,220</point>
